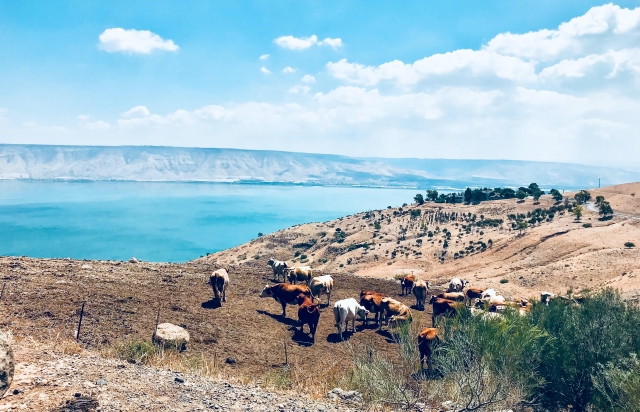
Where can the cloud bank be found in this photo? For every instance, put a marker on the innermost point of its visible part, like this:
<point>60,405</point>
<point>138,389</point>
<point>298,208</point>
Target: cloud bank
<point>295,43</point>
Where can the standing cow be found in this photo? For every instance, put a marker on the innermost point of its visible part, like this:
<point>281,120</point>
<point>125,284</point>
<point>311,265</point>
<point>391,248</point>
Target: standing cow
<point>441,307</point>
<point>394,312</point>
<point>279,269</point>
<point>284,294</point>
<point>346,310</point>
<point>420,290</point>
<point>456,285</point>
<point>427,342</point>
<point>300,274</point>
<point>407,284</point>
<point>309,314</point>
<point>219,281</point>
<point>322,285</point>
<point>371,301</point>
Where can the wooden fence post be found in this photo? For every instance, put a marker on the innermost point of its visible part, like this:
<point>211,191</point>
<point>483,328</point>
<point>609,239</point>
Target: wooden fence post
<point>286,355</point>
<point>80,322</point>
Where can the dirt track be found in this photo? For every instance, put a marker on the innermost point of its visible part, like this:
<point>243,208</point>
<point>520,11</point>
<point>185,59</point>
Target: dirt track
<point>43,297</point>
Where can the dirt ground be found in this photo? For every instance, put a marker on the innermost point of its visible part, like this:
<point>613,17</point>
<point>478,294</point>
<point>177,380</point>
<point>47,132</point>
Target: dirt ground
<point>244,338</point>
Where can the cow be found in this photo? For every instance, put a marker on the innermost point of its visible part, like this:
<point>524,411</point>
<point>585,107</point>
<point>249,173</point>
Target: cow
<point>456,285</point>
<point>394,312</point>
<point>441,307</point>
<point>454,296</point>
<point>308,313</point>
<point>279,269</point>
<point>320,285</point>
<point>219,280</point>
<point>428,340</point>
<point>488,293</point>
<point>346,310</point>
<point>493,303</point>
<point>407,284</point>
<point>546,297</point>
<point>420,290</point>
<point>371,301</point>
<point>473,293</point>
<point>299,273</point>
<point>284,293</point>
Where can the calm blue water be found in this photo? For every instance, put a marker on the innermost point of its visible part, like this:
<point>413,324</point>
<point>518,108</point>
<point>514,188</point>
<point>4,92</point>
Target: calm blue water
<point>172,222</point>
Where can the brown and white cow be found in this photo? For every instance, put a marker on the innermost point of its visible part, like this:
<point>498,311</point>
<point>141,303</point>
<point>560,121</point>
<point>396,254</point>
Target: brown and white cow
<point>473,293</point>
<point>320,285</point>
<point>407,284</point>
<point>420,290</point>
<point>371,301</point>
<point>428,340</point>
<point>308,314</point>
<point>285,293</point>
<point>279,268</point>
<point>299,274</point>
<point>394,312</point>
<point>454,296</point>
<point>441,307</point>
<point>219,280</point>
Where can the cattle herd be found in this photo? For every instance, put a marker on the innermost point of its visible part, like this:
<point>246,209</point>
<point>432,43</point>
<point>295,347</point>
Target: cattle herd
<point>483,302</point>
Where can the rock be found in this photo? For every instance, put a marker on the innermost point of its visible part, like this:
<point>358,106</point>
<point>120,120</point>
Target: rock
<point>230,361</point>
<point>170,335</point>
<point>86,267</point>
<point>101,382</point>
<point>6,365</point>
<point>133,260</point>
<point>448,406</point>
<point>179,380</point>
<point>345,396</point>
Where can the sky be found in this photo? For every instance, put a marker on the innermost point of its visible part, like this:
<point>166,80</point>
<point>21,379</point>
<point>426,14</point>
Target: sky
<point>531,80</point>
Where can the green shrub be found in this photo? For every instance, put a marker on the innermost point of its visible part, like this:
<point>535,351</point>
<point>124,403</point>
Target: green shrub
<point>602,330</point>
<point>618,386</point>
<point>629,244</point>
<point>586,225</point>
<point>504,280</point>
<point>136,351</point>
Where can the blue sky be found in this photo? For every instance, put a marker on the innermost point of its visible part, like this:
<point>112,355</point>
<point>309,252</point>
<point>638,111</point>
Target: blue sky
<point>425,79</point>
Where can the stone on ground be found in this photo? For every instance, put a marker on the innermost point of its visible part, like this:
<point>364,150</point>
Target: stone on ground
<point>170,335</point>
<point>6,365</point>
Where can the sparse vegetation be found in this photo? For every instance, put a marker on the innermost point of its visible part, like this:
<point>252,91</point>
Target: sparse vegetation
<point>629,245</point>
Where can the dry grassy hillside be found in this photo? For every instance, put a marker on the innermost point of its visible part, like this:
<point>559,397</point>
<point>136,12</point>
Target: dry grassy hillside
<point>557,254</point>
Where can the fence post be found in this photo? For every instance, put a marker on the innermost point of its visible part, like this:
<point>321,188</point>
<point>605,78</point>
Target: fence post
<point>286,355</point>
<point>80,322</point>
<point>153,337</point>
<point>2,292</point>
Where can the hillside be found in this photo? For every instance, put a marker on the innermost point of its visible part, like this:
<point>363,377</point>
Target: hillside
<point>556,255</point>
<point>153,163</point>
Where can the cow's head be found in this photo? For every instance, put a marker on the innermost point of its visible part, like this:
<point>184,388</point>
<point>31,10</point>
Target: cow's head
<point>464,283</point>
<point>271,262</point>
<point>301,298</point>
<point>432,300</point>
<point>267,292</point>
<point>362,313</point>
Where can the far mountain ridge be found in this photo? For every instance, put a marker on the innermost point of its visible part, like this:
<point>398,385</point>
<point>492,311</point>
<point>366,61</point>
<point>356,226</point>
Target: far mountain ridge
<point>163,163</point>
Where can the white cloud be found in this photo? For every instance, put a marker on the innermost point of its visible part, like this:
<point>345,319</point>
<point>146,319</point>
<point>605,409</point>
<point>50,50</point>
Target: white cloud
<point>302,43</point>
<point>335,43</point>
<point>288,69</point>
<point>299,89</point>
<point>265,57</point>
<point>97,125</point>
<point>133,41</point>
<point>138,111</point>
<point>597,31</point>
<point>265,70</point>
<point>307,78</point>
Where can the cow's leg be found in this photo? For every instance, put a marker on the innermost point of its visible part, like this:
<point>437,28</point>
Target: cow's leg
<point>284,309</point>
<point>224,294</point>
<point>353,325</point>
<point>339,326</point>
<point>329,298</point>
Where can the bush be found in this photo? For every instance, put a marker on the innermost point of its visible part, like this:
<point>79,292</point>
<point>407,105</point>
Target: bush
<point>629,244</point>
<point>136,351</point>
<point>586,225</point>
<point>618,386</point>
<point>600,331</point>
<point>504,281</point>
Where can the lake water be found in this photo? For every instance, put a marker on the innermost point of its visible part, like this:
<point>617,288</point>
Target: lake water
<point>172,222</point>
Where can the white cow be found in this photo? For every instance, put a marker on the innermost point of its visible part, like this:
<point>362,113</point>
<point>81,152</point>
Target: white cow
<point>346,310</point>
<point>219,280</point>
<point>320,285</point>
<point>279,269</point>
<point>488,293</point>
<point>456,285</point>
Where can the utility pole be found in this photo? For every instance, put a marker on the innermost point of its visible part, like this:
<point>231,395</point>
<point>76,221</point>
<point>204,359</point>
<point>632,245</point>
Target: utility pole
<point>598,183</point>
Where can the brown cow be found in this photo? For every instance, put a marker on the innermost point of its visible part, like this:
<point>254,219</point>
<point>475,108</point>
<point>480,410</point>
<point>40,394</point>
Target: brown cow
<point>420,290</point>
<point>473,293</point>
<point>394,312</point>
<point>428,340</point>
<point>407,284</point>
<point>309,314</point>
<point>285,293</point>
<point>299,274</point>
<point>454,296</point>
<point>371,301</point>
<point>441,307</point>
<point>219,280</point>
